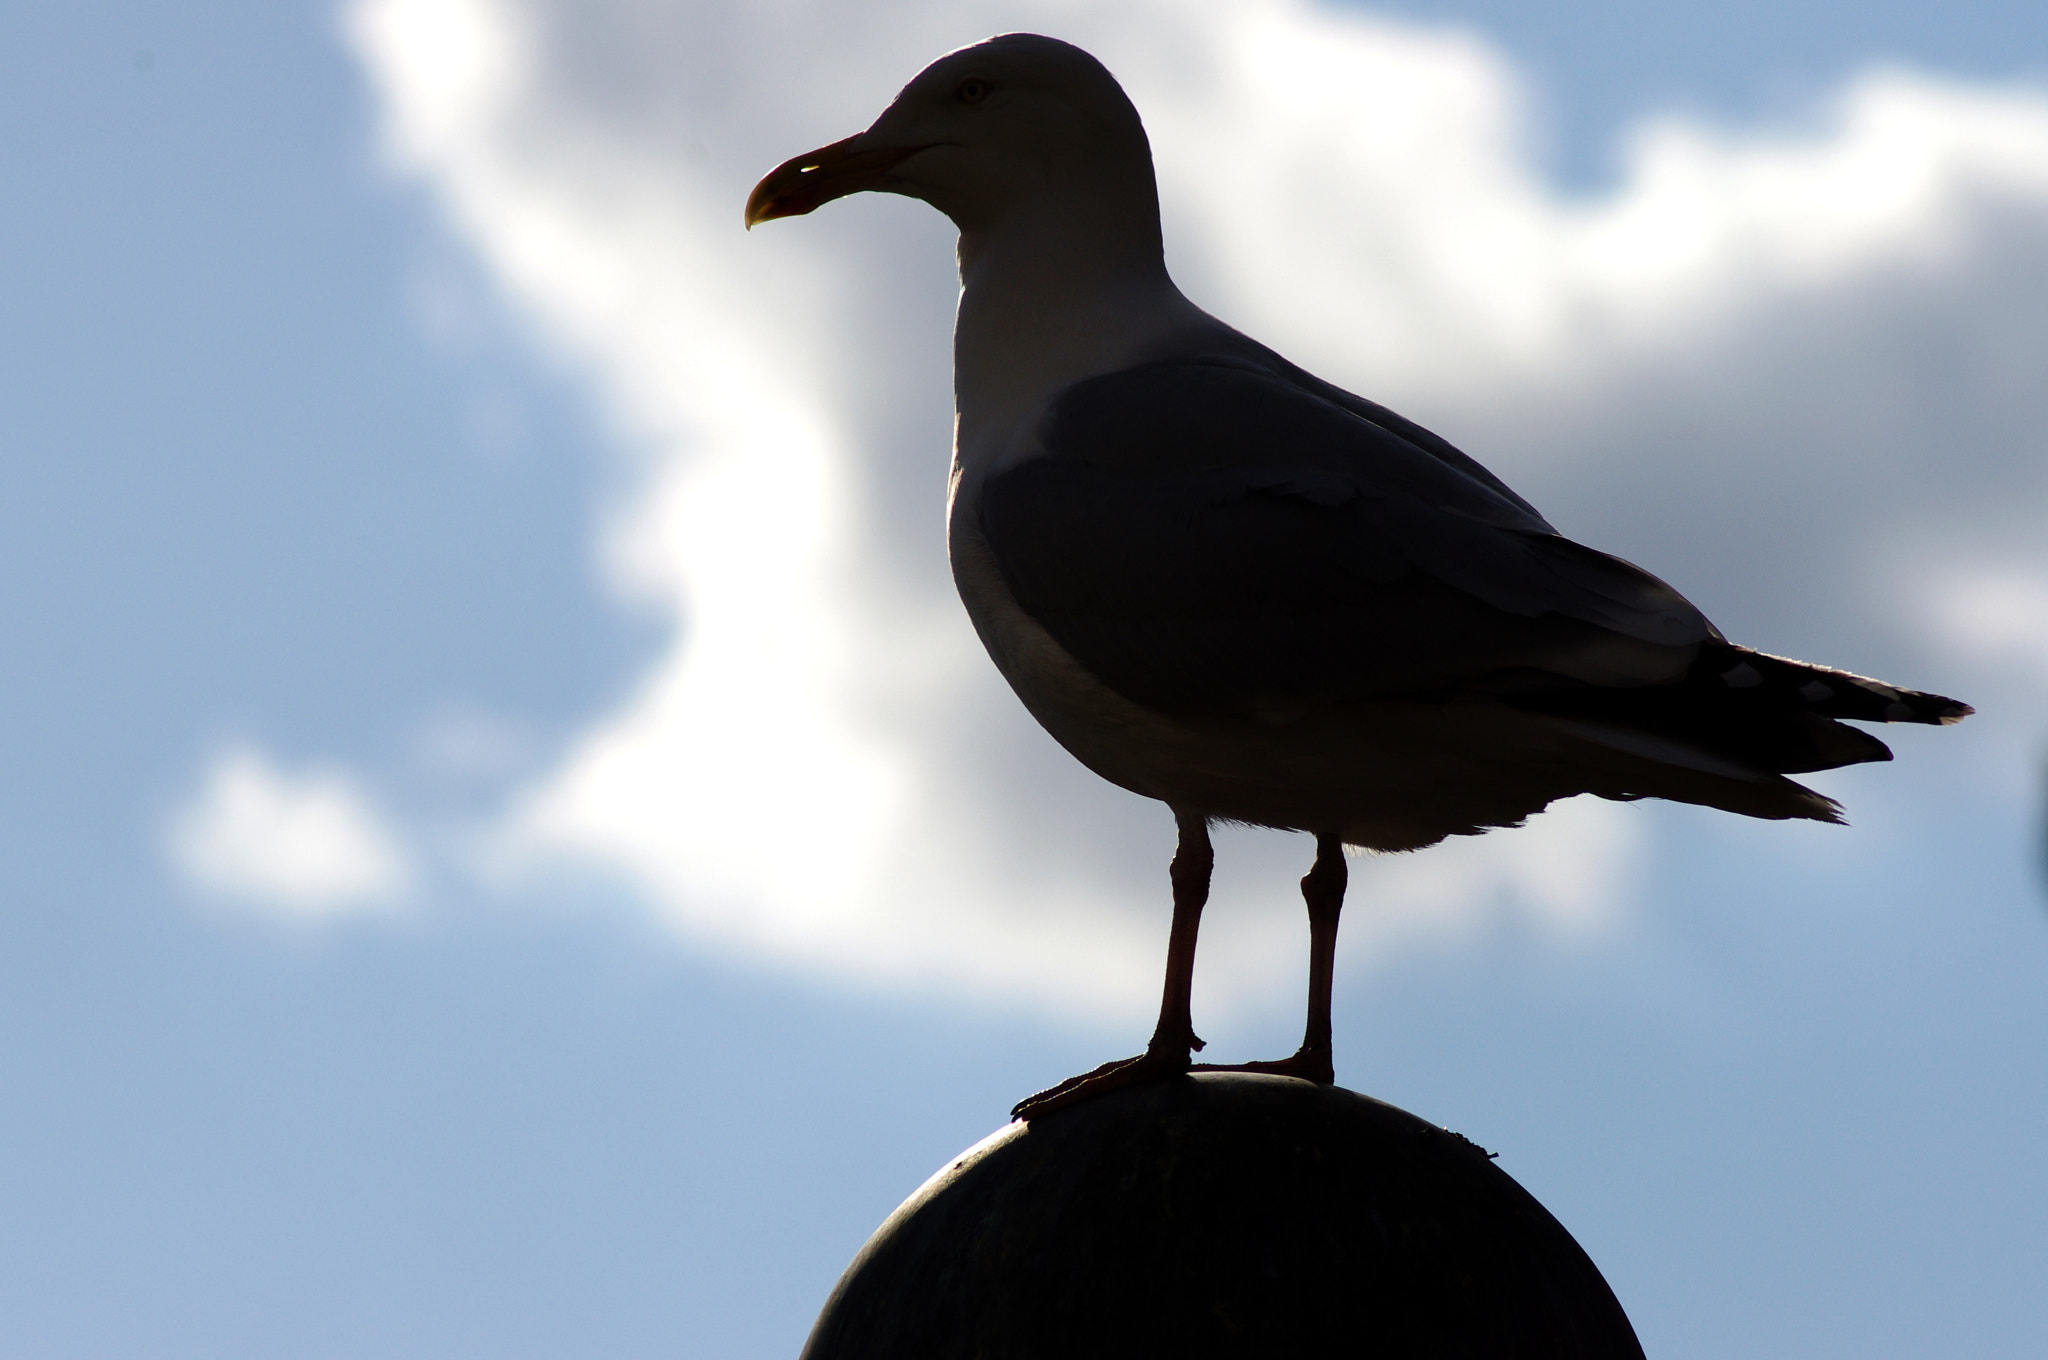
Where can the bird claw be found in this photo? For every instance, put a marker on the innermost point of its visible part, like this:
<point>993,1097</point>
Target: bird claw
<point>1151,1065</point>
<point>1309,1064</point>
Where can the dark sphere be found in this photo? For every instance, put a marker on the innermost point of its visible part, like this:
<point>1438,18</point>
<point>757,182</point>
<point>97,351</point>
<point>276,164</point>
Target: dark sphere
<point>1222,1215</point>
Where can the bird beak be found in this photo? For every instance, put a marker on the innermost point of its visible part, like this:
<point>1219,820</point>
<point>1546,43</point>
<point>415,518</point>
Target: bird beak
<point>802,183</point>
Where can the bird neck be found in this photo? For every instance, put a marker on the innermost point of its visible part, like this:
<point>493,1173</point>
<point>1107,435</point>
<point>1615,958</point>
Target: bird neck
<point>1050,300</point>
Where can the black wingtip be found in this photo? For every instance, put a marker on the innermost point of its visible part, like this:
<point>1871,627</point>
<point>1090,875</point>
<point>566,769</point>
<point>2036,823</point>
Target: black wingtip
<point>1912,706</point>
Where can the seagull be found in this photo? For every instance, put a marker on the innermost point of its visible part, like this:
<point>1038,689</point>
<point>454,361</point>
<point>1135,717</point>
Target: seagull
<point>1223,583</point>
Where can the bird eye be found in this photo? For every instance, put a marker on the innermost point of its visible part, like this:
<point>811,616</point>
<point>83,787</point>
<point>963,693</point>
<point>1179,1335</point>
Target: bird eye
<point>972,90</point>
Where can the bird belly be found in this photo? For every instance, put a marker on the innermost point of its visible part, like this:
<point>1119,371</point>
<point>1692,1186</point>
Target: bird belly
<point>1386,775</point>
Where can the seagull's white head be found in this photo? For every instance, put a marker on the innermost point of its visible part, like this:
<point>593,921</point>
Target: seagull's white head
<point>1017,128</point>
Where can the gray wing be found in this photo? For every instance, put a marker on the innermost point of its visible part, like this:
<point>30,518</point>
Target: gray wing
<point>1210,535</point>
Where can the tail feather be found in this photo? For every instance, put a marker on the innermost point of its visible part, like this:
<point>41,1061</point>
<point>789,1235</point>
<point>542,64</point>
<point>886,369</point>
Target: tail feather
<point>1664,768</point>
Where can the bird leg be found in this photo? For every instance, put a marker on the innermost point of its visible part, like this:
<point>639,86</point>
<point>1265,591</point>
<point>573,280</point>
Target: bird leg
<point>1174,1037</point>
<point>1323,890</point>
<point>1193,861</point>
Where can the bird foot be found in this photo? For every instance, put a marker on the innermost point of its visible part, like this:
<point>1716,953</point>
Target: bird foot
<point>1156,1064</point>
<point>1310,1064</point>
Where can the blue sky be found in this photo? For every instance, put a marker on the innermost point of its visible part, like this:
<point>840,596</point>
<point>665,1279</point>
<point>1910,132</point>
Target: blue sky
<point>311,460</point>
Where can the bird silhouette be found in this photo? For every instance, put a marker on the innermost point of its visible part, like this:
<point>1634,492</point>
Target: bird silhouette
<point>1226,584</point>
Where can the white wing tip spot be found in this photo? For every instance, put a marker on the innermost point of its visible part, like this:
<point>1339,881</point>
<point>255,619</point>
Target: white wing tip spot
<point>1742,675</point>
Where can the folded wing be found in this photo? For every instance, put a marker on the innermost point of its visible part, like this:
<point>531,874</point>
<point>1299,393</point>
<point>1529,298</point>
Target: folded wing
<point>1224,537</point>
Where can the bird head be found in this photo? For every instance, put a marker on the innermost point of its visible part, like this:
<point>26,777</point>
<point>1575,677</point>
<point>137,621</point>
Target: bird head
<point>1017,125</point>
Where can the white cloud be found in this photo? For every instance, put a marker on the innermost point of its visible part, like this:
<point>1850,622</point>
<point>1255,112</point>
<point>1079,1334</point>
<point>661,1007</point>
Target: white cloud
<point>304,845</point>
<point>2000,613</point>
<point>1797,370</point>
<point>1363,187</point>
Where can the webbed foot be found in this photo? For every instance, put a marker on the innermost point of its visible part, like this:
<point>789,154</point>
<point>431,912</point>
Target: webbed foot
<point>1155,1064</point>
<point>1310,1064</point>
